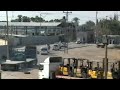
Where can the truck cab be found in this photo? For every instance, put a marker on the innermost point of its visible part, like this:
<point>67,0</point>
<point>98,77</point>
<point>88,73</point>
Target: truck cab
<point>49,66</point>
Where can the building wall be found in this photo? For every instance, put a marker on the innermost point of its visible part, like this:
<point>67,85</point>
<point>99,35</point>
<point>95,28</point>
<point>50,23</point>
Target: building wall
<point>30,30</point>
<point>36,40</point>
<point>3,51</point>
<point>85,36</point>
<point>113,39</point>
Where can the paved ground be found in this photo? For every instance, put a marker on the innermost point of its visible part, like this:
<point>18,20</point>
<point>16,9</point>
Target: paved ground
<point>75,50</point>
<point>20,74</point>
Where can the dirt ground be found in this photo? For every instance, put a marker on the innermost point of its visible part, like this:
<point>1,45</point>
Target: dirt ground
<point>20,74</point>
<point>92,52</point>
<point>89,52</point>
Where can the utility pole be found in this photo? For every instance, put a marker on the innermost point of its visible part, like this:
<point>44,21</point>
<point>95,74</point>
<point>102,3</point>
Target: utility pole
<point>40,22</point>
<point>67,13</point>
<point>96,31</point>
<point>7,36</point>
<point>42,17</point>
<point>105,59</point>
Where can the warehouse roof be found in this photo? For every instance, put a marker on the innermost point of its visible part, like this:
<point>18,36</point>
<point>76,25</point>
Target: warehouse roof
<point>13,62</point>
<point>30,23</point>
<point>113,35</point>
<point>14,35</point>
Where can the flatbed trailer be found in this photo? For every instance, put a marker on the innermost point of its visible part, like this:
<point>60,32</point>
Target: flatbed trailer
<point>66,77</point>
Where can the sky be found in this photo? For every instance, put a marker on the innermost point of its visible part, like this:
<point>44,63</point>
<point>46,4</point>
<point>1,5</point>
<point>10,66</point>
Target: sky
<point>48,15</point>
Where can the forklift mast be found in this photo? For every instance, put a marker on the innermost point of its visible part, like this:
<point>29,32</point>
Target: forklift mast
<point>98,65</point>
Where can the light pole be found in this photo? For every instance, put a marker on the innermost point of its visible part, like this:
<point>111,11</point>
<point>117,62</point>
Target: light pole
<point>96,31</point>
<point>105,61</point>
<point>7,36</point>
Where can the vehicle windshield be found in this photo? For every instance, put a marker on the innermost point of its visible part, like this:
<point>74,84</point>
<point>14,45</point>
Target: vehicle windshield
<point>44,49</point>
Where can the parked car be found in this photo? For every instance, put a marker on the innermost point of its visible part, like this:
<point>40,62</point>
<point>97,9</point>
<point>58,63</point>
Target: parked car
<point>78,42</point>
<point>56,47</point>
<point>63,45</point>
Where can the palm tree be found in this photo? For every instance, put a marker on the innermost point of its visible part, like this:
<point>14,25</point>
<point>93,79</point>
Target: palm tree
<point>76,20</point>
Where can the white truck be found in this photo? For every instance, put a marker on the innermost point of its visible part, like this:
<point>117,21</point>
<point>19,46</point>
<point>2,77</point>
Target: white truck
<point>48,67</point>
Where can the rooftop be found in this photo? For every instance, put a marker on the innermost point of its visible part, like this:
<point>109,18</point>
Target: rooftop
<point>13,62</point>
<point>113,35</point>
<point>30,23</point>
<point>14,35</point>
<point>3,42</point>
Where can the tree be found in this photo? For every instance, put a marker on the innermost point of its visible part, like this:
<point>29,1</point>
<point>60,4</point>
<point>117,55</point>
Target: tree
<point>32,19</point>
<point>51,20</point>
<point>19,18</point>
<point>26,19</point>
<point>76,19</point>
<point>39,19</point>
<point>57,20</point>
<point>90,23</point>
<point>16,20</point>
<point>111,26</point>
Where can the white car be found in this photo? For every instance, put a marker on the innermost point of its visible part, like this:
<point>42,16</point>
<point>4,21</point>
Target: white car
<point>56,47</point>
<point>44,51</point>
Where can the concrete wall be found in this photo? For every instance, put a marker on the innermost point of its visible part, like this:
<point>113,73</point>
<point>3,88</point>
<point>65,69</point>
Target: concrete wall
<point>36,40</point>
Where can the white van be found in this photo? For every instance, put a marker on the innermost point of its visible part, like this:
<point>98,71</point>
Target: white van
<point>44,51</point>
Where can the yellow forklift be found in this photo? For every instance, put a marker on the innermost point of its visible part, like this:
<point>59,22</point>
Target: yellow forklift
<point>83,68</point>
<point>66,66</point>
<point>97,72</point>
<point>73,67</point>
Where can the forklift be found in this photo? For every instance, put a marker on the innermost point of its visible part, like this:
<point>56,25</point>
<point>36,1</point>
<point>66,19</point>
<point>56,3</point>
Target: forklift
<point>99,73</point>
<point>115,70</point>
<point>74,67</point>
<point>65,68</point>
<point>95,72</point>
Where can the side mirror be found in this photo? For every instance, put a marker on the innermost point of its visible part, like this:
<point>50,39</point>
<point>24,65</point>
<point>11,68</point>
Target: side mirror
<point>41,67</point>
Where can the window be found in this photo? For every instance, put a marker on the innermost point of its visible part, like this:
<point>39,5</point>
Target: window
<point>42,27</point>
<point>55,59</point>
<point>54,30</point>
<point>44,49</point>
